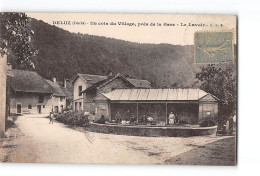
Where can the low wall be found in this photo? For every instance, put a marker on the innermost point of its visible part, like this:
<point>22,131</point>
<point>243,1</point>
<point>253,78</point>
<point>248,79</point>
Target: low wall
<point>152,131</point>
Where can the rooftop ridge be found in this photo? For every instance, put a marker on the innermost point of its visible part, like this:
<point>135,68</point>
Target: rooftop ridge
<point>91,74</point>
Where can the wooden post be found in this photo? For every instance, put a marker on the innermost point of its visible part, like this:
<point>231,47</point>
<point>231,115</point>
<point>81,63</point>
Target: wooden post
<point>137,112</point>
<point>166,114</point>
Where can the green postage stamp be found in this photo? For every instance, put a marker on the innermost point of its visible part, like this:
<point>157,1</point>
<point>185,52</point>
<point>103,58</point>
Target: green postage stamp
<point>214,47</point>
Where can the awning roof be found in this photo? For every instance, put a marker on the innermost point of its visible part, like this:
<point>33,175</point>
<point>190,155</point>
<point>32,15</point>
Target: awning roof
<point>155,94</point>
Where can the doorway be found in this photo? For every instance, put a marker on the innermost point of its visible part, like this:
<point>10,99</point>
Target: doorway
<point>39,108</point>
<point>56,109</point>
<point>19,108</point>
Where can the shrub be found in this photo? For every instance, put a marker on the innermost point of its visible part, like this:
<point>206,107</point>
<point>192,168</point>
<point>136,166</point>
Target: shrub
<point>102,120</point>
<point>74,119</point>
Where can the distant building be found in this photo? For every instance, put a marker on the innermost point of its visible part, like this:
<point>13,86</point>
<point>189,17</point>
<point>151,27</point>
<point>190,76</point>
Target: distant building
<point>67,87</point>
<point>58,98</point>
<point>87,87</point>
<point>30,93</point>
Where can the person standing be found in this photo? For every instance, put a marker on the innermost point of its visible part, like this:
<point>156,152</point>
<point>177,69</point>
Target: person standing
<point>51,117</point>
<point>171,118</point>
<point>118,117</point>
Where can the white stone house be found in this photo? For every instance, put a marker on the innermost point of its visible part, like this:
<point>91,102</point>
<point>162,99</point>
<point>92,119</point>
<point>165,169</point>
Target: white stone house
<point>32,94</point>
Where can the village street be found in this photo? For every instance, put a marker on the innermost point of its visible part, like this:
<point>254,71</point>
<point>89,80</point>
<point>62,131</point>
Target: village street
<point>33,139</point>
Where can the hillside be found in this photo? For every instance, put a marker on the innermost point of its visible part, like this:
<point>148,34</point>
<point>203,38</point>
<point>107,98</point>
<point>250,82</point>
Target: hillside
<point>65,54</point>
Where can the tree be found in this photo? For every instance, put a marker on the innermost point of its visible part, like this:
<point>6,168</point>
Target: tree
<point>220,82</point>
<point>15,37</point>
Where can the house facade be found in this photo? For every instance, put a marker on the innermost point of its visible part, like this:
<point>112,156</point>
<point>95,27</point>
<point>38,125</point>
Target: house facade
<point>58,98</point>
<point>80,83</point>
<point>32,94</point>
<point>87,87</point>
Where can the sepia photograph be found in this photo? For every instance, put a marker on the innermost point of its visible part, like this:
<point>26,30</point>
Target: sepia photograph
<point>111,88</point>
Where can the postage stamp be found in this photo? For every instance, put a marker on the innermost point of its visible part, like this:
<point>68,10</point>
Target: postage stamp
<point>213,47</point>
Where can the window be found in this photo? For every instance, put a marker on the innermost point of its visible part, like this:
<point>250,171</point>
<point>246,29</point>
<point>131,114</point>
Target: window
<point>76,106</point>
<point>40,99</point>
<point>56,109</point>
<point>43,106</point>
<point>29,106</point>
<point>80,89</point>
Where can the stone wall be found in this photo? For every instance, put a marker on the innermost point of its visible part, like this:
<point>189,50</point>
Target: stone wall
<point>152,131</point>
<point>26,99</point>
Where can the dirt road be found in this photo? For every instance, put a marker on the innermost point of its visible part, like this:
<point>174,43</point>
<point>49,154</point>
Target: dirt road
<point>35,140</point>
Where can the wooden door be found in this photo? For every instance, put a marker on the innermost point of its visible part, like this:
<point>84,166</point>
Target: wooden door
<point>19,108</point>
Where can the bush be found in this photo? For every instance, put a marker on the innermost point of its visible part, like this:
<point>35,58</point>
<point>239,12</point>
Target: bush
<point>102,120</point>
<point>74,119</point>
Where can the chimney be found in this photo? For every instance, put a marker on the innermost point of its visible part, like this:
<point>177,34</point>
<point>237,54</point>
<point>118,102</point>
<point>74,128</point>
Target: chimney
<point>9,67</point>
<point>54,79</point>
<point>65,83</point>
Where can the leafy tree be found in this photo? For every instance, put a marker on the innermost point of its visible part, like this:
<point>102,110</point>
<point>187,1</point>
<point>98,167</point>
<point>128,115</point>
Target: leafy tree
<point>15,37</point>
<point>220,82</point>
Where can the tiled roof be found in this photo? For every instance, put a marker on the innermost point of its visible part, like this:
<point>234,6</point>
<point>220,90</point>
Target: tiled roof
<point>135,82</point>
<point>69,94</point>
<point>106,81</point>
<point>138,83</point>
<point>68,90</point>
<point>90,78</point>
<point>56,89</point>
<point>28,81</point>
<point>155,94</point>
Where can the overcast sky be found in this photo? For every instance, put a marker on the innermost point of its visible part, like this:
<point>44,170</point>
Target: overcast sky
<point>178,35</point>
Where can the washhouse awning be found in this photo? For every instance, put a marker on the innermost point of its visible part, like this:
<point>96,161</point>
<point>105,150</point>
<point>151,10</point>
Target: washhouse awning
<point>166,94</point>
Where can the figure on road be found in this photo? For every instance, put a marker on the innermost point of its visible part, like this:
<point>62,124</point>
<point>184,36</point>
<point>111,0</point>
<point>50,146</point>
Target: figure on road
<point>51,116</point>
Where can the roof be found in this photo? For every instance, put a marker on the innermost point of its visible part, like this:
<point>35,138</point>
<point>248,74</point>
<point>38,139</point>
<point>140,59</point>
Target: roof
<point>106,81</point>
<point>68,90</point>
<point>140,83</point>
<point>28,81</point>
<point>134,82</point>
<point>90,78</point>
<point>57,91</point>
<point>68,93</point>
<point>156,94</point>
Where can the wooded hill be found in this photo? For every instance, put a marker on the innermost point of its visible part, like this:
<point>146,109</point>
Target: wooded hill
<point>64,54</point>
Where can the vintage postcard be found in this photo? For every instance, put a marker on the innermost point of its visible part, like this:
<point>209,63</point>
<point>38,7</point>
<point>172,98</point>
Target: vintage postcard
<point>97,88</point>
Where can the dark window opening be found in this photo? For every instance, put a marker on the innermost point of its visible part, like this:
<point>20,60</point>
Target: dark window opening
<point>80,89</point>
<point>43,106</point>
<point>29,106</point>
<point>40,99</point>
<point>56,109</point>
<point>79,105</point>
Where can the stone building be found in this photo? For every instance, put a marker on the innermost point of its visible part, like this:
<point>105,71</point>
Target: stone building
<point>32,94</point>
<point>87,87</point>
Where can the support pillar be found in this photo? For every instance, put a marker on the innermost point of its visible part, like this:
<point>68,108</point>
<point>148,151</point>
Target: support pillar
<point>3,62</point>
<point>137,113</point>
<point>166,110</point>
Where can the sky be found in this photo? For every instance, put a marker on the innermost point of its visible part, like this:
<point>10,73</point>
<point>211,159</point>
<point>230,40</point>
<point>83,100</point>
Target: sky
<point>148,31</point>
